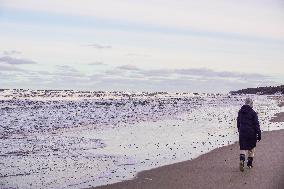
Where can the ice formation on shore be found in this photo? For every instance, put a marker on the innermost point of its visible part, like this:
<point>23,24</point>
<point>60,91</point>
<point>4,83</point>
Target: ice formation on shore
<point>78,139</point>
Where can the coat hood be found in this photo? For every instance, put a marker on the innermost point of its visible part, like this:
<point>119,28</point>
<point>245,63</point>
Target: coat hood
<point>245,109</point>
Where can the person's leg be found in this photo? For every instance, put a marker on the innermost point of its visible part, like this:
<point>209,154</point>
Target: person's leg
<point>242,159</point>
<point>250,157</point>
<point>243,155</point>
<point>251,152</point>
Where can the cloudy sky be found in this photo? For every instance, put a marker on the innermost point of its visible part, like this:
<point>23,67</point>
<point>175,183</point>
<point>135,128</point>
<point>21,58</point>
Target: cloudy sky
<point>133,45</point>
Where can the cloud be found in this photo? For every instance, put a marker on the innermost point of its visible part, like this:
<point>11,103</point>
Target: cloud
<point>63,76</point>
<point>11,52</point>
<point>257,18</point>
<point>138,55</point>
<point>100,47</point>
<point>198,79</point>
<point>65,68</point>
<point>131,78</point>
<point>98,63</point>
<point>15,61</point>
<point>198,73</point>
<point>128,67</point>
<point>4,68</point>
<point>183,74</point>
<point>169,84</point>
<point>156,72</point>
<point>203,72</point>
<point>67,71</point>
<point>61,71</point>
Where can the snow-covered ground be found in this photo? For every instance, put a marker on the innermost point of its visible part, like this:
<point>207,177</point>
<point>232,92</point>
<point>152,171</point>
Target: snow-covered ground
<point>75,139</point>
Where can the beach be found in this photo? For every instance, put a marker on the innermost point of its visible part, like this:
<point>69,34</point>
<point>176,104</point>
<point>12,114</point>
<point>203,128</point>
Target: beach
<point>128,94</point>
<point>75,139</point>
<point>219,169</point>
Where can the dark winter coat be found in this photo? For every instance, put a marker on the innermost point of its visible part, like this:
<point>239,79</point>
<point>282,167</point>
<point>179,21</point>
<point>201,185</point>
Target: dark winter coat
<point>248,127</point>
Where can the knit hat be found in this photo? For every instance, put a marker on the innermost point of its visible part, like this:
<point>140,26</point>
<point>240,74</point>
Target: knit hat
<point>249,102</point>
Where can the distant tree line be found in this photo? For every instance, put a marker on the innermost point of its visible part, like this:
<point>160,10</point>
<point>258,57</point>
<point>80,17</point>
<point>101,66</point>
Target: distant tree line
<point>261,90</point>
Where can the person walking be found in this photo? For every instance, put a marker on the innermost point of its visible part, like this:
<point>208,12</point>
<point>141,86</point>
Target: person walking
<point>249,132</point>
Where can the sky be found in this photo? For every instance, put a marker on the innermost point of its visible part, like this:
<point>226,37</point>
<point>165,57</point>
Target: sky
<point>151,45</point>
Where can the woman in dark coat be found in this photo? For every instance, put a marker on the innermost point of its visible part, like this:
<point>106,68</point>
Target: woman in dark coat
<point>249,132</point>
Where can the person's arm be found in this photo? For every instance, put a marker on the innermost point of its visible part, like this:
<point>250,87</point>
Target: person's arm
<point>258,131</point>
<point>238,122</point>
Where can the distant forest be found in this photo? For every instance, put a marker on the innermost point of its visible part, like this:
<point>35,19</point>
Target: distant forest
<point>261,90</point>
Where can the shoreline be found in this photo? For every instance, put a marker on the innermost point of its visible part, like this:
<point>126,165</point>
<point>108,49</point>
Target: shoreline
<point>218,168</point>
<point>84,158</point>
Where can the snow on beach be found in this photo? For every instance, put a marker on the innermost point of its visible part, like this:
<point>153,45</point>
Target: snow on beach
<point>76,139</point>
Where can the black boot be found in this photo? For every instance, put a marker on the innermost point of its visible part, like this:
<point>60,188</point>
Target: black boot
<point>249,163</point>
<point>242,162</point>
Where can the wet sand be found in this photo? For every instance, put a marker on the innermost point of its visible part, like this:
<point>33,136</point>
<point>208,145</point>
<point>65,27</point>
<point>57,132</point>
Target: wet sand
<point>279,117</point>
<point>219,169</point>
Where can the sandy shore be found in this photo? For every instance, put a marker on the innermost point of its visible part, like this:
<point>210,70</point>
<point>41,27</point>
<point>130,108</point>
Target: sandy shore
<point>279,117</point>
<point>219,169</point>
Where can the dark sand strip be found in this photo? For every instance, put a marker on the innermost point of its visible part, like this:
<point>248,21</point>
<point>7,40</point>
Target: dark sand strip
<point>281,104</point>
<point>279,117</point>
<point>219,169</point>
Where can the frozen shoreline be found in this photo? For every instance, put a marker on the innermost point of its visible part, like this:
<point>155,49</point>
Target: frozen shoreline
<point>86,156</point>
